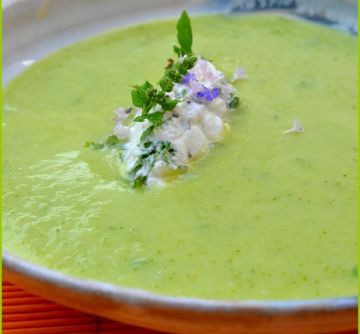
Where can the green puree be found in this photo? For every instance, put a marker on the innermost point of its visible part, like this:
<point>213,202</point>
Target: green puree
<point>265,215</point>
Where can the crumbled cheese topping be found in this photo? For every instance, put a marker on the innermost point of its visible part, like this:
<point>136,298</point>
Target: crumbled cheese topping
<point>239,74</point>
<point>296,127</point>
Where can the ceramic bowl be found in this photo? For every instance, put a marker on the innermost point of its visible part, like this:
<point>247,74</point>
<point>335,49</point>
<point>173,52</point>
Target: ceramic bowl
<point>33,29</point>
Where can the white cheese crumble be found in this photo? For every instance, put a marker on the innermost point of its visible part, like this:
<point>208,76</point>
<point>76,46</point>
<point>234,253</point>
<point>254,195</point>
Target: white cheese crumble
<point>239,74</point>
<point>196,122</point>
<point>296,127</point>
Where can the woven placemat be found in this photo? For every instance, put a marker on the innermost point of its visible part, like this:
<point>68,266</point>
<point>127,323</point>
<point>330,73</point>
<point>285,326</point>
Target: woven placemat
<point>25,313</point>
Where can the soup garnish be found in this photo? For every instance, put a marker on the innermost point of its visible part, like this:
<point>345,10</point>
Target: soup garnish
<point>174,122</point>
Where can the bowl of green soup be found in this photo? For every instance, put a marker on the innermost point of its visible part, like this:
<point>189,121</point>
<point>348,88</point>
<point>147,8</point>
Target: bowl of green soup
<point>259,235</point>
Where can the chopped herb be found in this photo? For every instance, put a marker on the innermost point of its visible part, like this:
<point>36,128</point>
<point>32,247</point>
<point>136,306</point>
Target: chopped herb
<point>147,133</point>
<point>355,271</point>
<point>138,97</point>
<point>166,84</point>
<point>155,118</point>
<point>152,152</point>
<point>139,181</point>
<point>112,140</point>
<point>95,146</point>
<point>169,104</point>
<point>139,263</point>
<point>234,102</point>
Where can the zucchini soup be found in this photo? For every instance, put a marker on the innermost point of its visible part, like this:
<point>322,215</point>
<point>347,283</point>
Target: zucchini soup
<point>265,214</point>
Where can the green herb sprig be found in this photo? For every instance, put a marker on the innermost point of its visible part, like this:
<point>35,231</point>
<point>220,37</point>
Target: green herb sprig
<point>184,35</point>
<point>148,96</point>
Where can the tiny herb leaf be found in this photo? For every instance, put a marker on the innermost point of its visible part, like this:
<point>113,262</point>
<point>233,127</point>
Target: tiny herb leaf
<point>112,140</point>
<point>155,117</point>
<point>139,181</point>
<point>169,104</point>
<point>140,118</point>
<point>234,102</point>
<point>139,97</point>
<point>148,132</point>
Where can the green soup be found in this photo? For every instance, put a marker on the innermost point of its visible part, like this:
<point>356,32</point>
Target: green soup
<point>265,215</point>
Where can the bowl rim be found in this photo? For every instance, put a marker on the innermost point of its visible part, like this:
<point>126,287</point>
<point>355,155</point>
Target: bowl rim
<point>137,296</point>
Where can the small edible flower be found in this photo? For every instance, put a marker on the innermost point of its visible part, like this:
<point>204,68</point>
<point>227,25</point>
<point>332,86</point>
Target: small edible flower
<point>207,94</point>
<point>239,74</point>
<point>121,114</point>
<point>188,78</point>
<point>175,121</point>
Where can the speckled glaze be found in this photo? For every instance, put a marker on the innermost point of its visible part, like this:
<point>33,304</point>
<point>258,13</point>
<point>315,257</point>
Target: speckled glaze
<point>34,28</point>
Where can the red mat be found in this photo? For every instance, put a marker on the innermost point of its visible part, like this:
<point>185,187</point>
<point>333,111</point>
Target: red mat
<point>24,313</point>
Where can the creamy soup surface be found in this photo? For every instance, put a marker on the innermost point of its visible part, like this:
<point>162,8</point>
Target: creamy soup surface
<point>265,215</point>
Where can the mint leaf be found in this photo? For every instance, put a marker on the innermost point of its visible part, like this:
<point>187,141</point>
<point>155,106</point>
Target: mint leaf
<point>155,117</point>
<point>184,34</point>
<point>139,97</point>
<point>166,84</point>
<point>147,85</point>
<point>169,104</point>
<point>177,50</point>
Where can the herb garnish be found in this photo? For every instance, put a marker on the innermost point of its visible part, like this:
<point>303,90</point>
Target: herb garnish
<point>149,153</point>
<point>110,142</point>
<point>147,97</point>
<point>152,152</point>
<point>184,35</point>
<point>234,101</point>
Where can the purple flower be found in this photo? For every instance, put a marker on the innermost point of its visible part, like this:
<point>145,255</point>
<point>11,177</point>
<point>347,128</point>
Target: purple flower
<point>188,77</point>
<point>207,94</point>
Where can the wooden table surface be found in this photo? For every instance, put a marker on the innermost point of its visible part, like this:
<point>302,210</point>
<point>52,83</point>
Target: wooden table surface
<point>25,313</point>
